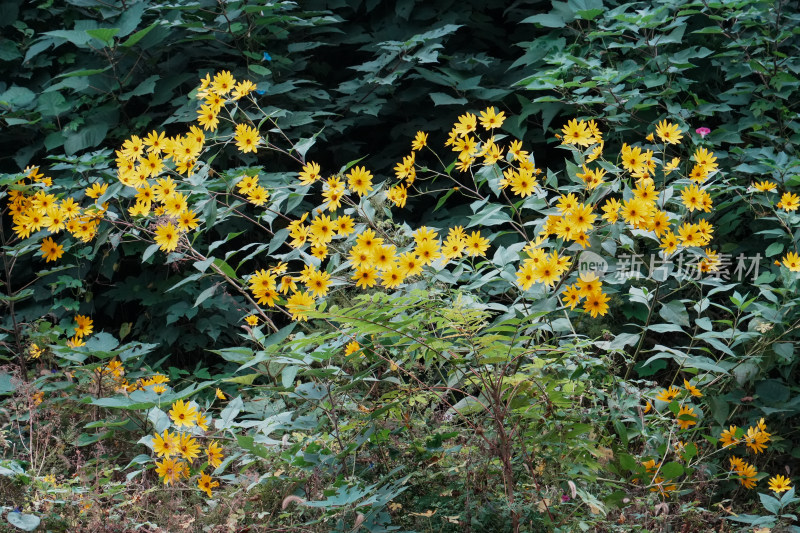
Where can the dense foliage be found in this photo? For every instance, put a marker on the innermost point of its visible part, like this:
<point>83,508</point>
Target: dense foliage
<point>338,265</point>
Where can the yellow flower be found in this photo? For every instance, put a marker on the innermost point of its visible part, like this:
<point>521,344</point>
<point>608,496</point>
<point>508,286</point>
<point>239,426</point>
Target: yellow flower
<point>247,138</point>
<point>789,202</point>
<point>668,133</point>
<point>165,445</point>
<point>223,82</point>
<point>792,261</point>
<point>475,244</point>
<point>636,211</point>
<point>288,284</point>
<point>170,470</point>
<point>51,251</point>
<point>205,484</point>
<point>251,320</point>
<point>188,447</point>
<point>133,148</point>
<point>689,235</point>
<point>779,484</point>
<point>705,159</point>
<point>746,472</point>
<point>522,182</point>
<point>611,210</point>
<point>322,230</point>
<point>410,264</point>
<point>352,347</point>
<point>310,173</point>
<point>756,440</point>
<point>187,221</point>
<point>728,437</point>
<point>692,389</point>
<point>392,276</point>
<point>686,417</point>
<point>299,304</point>
<point>467,123</point>
<point>765,186</point>
<point>633,160</point>
<point>671,166</point>
<point>667,395</point>
<point>207,117</point>
<point>571,296</point>
<point>576,132</point>
<point>83,326</point>
<point>427,251</point>
<point>383,257</point>
<point>490,119</point>
<point>344,225</point>
<point>243,88</point>
<point>167,237</point>
<point>406,168</point>
<point>183,414</point>
<point>453,246</point>
<point>219,394</point>
<point>75,342</point>
<point>263,285</point>
<point>175,204</point>
<point>214,454</point>
<point>318,282</point>
<point>420,141</point>
<point>96,190</point>
<point>359,179</point>
<point>596,304</point>
<point>398,195</point>
<point>365,276</point>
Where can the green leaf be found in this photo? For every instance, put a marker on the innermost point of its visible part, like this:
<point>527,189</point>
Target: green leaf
<point>17,97</point>
<point>259,69</point>
<point>770,503</point>
<point>228,414</point>
<point>225,267</point>
<point>83,72</point>
<point>145,87</point>
<point>287,375</point>
<point>446,99</point>
<point>671,470</point>
<point>772,392</point>
<point>153,248</point>
<point>106,35</point>
<point>87,137</point>
<point>136,37</point>
<point>205,295</point>
<point>243,380</point>
<point>627,462</point>
<point>774,249</point>
<point>549,20</point>
<point>23,521</point>
<point>675,312</point>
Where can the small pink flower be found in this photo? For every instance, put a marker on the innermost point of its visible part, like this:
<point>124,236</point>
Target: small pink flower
<point>703,131</point>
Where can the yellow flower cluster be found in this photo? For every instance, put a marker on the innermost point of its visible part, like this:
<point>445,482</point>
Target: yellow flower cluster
<point>215,92</point>
<point>178,450</point>
<point>141,163</point>
<point>789,202</point>
<point>745,472</point>
<point>755,438</point>
<point>34,211</point>
<point>372,260</point>
<point>157,382</point>
<point>83,328</point>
